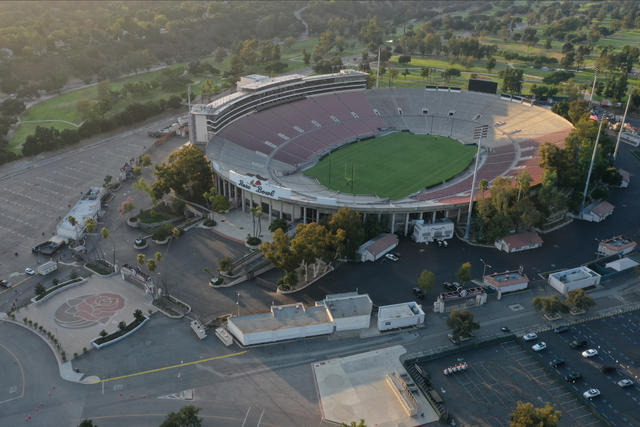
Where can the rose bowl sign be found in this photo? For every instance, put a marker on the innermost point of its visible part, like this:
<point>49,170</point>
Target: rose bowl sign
<point>259,186</point>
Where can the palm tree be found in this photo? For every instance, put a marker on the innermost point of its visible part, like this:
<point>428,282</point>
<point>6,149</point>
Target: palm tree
<point>209,196</point>
<point>105,233</point>
<point>484,186</point>
<point>74,223</point>
<point>90,225</point>
<point>254,212</point>
<point>140,259</point>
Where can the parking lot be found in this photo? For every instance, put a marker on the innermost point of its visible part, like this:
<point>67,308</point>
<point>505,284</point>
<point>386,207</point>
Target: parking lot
<point>497,377</point>
<point>616,340</point>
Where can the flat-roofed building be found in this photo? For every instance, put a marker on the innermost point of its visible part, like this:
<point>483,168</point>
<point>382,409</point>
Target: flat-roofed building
<point>575,278</point>
<point>616,245</point>
<point>400,316</point>
<point>508,281</point>
<point>348,310</point>
<point>87,207</point>
<point>283,322</point>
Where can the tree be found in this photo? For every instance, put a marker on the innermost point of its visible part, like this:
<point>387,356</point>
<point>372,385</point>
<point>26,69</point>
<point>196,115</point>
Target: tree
<point>256,214</point>
<point>550,305</point>
<point>526,415</point>
<point>220,54</point>
<point>138,315</point>
<point>313,243</point>
<point>491,64</point>
<point>126,206</point>
<point>145,160</point>
<point>279,252</point>
<point>90,225</point>
<point>580,300</point>
<point>464,272</point>
<point>483,185</point>
<point>278,223</point>
<point>140,258</point>
<point>142,185</point>
<point>354,424</point>
<point>74,223</point>
<point>351,222</point>
<point>226,265</point>
<point>152,264</point>
<point>462,324</point>
<point>449,73</point>
<point>40,289</point>
<point>186,417</point>
<point>512,80</point>
<point>426,280</point>
<point>187,172</point>
<point>87,423</point>
<point>122,325</point>
<point>425,72</point>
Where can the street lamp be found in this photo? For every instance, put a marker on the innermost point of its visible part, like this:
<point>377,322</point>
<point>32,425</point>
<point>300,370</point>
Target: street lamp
<point>238,302</point>
<point>479,132</point>
<point>484,267</point>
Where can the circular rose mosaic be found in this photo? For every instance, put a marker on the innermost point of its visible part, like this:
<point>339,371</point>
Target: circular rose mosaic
<point>88,310</point>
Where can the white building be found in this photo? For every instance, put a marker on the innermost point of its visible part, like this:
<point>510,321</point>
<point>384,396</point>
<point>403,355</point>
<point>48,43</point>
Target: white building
<point>438,230</point>
<point>509,281</point>
<point>47,267</point>
<point>283,322</point>
<point>87,207</point>
<point>630,138</point>
<point>519,242</point>
<point>348,310</point>
<point>626,178</point>
<point>618,245</point>
<point>575,278</point>
<point>622,264</point>
<point>400,316</point>
<point>597,212</point>
<point>376,248</point>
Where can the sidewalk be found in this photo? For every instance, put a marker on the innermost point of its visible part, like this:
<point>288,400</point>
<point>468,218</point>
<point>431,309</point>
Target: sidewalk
<point>236,225</point>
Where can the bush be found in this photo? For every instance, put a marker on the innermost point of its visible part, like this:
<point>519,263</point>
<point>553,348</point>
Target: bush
<point>40,290</point>
<point>253,241</point>
<point>220,203</point>
<point>138,315</point>
<point>122,325</point>
<point>133,219</point>
<point>278,223</point>
<point>103,333</point>
<point>162,233</point>
<point>209,223</point>
<point>178,206</point>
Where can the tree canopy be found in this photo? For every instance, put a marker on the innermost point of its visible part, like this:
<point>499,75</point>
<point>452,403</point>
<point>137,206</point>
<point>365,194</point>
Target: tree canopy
<point>185,417</point>
<point>461,324</point>
<point>526,415</point>
<point>187,172</point>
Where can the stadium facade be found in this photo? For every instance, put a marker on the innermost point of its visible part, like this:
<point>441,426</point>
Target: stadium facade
<point>263,136</point>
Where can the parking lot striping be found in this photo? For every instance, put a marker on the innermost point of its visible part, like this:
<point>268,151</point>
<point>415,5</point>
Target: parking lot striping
<point>166,368</point>
<point>163,415</point>
<point>16,284</point>
<point>24,385</point>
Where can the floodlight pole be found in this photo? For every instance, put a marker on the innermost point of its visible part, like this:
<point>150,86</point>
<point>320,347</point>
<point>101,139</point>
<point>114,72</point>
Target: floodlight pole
<point>593,157</point>
<point>378,71</point>
<point>595,77</point>
<point>624,118</point>
<point>479,130</point>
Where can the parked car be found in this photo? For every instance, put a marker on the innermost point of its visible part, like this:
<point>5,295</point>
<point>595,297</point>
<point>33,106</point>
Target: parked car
<point>29,271</point>
<point>392,257</point>
<point>556,362</point>
<point>540,346</point>
<point>561,329</point>
<point>590,353</point>
<point>625,382</point>
<point>419,293</point>
<point>572,377</point>
<point>457,286</point>
<point>591,393</point>
<point>577,343</point>
<point>531,336</point>
<point>442,243</point>
<point>5,284</point>
<point>215,281</point>
<point>505,329</point>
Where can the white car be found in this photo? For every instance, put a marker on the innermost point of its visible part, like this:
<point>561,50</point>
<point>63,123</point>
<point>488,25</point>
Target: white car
<point>540,346</point>
<point>29,271</point>
<point>531,336</point>
<point>392,257</point>
<point>591,393</point>
<point>590,353</point>
<point>625,382</point>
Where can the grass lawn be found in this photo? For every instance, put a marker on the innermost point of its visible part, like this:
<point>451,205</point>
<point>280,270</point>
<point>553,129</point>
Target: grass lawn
<point>409,162</point>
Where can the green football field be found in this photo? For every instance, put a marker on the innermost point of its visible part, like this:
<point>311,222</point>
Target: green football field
<point>393,166</point>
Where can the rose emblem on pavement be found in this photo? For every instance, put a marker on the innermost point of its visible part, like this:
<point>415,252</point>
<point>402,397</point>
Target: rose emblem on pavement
<point>88,310</point>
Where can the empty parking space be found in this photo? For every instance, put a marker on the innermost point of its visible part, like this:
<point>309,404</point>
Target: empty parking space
<point>616,341</point>
<point>497,378</point>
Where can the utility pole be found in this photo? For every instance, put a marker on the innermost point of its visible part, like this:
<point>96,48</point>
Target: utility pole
<point>378,72</point>
<point>624,118</point>
<point>478,133</point>
<point>595,77</point>
<point>593,157</point>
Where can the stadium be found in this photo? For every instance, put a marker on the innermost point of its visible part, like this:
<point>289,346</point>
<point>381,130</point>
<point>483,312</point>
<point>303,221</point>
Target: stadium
<point>303,147</point>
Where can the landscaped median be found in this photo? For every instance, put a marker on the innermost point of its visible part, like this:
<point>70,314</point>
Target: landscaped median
<point>57,289</point>
<point>124,331</point>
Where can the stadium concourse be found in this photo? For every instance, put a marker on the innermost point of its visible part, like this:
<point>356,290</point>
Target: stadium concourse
<point>259,156</point>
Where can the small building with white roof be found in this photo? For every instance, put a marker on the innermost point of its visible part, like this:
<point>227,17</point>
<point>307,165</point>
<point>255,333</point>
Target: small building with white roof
<point>429,232</point>
<point>283,322</point>
<point>575,278</point>
<point>87,207</point>
<point>597,212</point>
<point>400,316</point>
<point>508,281</point>
<point>348,310</point>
